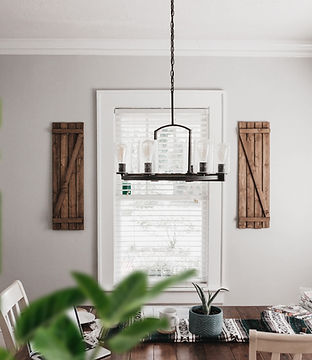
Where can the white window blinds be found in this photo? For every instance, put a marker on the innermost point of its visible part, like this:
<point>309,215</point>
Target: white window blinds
<point>160,227</point>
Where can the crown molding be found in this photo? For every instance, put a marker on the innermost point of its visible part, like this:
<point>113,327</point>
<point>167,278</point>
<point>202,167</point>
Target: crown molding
<point>146,47</point>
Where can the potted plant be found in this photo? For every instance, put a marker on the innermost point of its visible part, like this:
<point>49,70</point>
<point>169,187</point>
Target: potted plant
<point>205,319</point>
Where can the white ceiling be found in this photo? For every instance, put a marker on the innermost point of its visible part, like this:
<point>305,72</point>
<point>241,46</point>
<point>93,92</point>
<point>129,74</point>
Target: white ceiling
<point>274,20</point>
<point>197,22</point>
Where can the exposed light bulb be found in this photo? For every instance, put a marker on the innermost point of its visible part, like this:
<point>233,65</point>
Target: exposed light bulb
<point>202,151</point>
<point>148,154</point>
<point>222,156</point>
<point>121,156</point>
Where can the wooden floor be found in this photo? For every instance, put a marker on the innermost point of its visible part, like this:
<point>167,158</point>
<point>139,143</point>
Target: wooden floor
<point>211,351</point>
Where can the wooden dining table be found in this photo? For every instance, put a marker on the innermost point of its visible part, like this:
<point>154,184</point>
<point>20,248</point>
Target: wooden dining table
<point>195,351</point>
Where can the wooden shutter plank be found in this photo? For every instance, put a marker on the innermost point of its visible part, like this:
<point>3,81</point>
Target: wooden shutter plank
<point>67,220</point>
<point>242,195</point>
<point>54,166</point>
<point>255,131</point>
<point>67,151</point>
<point>266,168</point>
<point>72,181</point>
<point>80,184</point>
<point>249,148</point>
<point>64,158</point>
<point>258,167</point>
<point>77,185</point>
<point>254,219</point>
<point>67,131</point>
<point>253,174</point>
<point>57,171</point>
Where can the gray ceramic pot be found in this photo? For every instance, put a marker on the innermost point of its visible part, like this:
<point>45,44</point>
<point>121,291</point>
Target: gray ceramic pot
<point>206,325</point>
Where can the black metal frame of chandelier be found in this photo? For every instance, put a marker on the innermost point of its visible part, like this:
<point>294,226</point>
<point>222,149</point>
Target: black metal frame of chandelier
<point>188,177</point>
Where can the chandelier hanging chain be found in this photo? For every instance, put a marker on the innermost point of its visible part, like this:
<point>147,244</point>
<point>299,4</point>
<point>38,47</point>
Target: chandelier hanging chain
<point>172,61</point>
<point>189,176</point>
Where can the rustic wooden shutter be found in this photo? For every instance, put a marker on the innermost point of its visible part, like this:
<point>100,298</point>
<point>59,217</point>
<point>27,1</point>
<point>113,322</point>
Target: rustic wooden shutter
<point>67,174</point>
<point>253,175</point>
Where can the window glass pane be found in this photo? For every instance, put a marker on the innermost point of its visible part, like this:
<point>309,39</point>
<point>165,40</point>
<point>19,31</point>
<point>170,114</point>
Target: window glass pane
<point>160,227</point>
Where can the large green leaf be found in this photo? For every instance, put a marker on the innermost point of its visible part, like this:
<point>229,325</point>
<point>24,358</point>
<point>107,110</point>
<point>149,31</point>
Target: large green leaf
<point>130,315</point>
<point>212,297</point>
<point>93,292</point>
<point>201,295</point>
<point>45,309</point>
<point>128,296</point>
<point>5,355</point>
<point>61,340</point>
<point>134,333</point>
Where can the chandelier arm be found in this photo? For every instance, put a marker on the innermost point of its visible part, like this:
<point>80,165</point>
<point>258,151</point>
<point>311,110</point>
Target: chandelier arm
<point>189,149</point>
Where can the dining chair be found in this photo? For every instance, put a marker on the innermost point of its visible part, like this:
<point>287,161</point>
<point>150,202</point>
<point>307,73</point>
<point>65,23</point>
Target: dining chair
<point>279,344</point>
<point>12,301</point>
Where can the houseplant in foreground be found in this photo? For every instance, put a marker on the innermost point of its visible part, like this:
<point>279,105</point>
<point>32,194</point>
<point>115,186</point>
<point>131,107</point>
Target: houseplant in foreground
<point>45,323</point>
<point>205,319</point>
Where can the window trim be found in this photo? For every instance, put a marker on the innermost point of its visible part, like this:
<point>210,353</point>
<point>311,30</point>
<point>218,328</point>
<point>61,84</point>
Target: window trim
<point>107,102</point>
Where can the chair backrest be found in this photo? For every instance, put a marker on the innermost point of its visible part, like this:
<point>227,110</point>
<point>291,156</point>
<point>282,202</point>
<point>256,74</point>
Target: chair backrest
<point>279,344</point>
<point>12,301</point>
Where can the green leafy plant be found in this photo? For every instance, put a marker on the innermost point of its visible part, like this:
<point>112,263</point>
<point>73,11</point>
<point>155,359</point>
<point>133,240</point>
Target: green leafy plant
<point>54,335</point>
<point>5,355</point>
<point>207,301</point>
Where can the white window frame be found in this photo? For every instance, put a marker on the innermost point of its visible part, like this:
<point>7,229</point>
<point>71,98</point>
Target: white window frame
<point>107,102</point>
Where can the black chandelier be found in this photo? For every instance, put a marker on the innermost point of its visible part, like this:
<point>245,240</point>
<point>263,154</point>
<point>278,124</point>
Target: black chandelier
<point>202,174</point>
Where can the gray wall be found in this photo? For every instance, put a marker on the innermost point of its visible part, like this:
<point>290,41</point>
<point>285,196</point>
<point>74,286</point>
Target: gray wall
<point>261,266</point>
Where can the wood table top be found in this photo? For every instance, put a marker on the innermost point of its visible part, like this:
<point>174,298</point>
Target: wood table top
<point>195,351</point>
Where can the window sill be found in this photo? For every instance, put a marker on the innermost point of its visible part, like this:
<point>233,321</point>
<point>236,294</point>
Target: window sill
<point>182,297</point>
